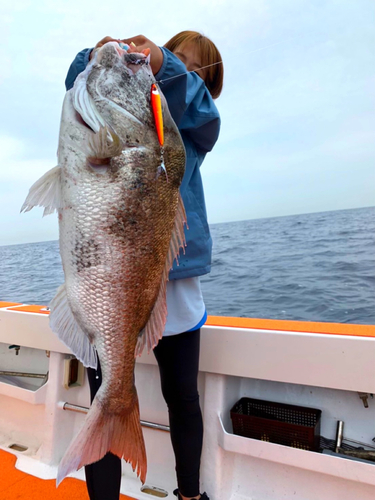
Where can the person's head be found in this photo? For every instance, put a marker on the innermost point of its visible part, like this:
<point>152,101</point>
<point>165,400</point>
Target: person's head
<point>196,50</point>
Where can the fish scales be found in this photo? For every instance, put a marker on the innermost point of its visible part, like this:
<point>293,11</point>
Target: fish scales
<point>121,225</point>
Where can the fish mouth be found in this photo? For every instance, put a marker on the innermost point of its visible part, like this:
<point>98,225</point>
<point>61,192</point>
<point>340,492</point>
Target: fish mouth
<point>133,61</point>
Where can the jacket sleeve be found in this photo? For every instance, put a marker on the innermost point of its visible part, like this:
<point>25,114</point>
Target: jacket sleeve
<point>189,102</point>
<point>77,66</point>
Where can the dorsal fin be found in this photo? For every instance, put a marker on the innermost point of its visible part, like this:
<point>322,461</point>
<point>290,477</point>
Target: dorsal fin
<point>153,331</point>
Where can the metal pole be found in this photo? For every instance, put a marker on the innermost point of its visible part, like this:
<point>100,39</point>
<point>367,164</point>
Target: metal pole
<point>358,442</point>
<point>339,435</point>
<point>340,438</point>
<point>22,374</point>
<point>84,409</point>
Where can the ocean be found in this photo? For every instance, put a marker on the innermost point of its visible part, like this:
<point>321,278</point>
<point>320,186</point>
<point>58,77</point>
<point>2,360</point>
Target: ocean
<point>313,267</point>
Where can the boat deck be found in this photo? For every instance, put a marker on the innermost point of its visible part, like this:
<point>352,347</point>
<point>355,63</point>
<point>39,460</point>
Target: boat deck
<point>326,366</point>
<point>15,484</point>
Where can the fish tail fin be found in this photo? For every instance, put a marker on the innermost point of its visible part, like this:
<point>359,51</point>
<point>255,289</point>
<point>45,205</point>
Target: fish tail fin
<point>120,434</point>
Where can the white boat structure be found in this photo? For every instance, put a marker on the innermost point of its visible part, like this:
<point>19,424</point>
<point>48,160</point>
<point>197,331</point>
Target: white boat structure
<point>318,365</point>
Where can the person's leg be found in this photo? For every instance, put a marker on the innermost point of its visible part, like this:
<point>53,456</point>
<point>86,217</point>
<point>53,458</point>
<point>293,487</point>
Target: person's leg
<point>103,478</point>
<point>178,359</point>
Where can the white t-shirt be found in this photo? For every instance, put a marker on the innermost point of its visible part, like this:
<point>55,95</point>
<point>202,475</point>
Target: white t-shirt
<point>186,308</point>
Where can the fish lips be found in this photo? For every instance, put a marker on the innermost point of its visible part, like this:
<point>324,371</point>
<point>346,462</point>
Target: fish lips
<point>133,61</point>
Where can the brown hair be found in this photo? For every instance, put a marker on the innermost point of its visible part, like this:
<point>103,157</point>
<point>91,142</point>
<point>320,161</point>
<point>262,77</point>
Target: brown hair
<point>209,55</point>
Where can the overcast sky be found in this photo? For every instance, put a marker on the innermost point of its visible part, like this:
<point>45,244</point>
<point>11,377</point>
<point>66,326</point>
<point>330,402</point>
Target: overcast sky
<point>298,113</point>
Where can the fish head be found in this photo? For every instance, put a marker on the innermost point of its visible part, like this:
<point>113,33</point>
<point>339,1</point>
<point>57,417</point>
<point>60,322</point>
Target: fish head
<point>114,92</point>
<point>108,113</point>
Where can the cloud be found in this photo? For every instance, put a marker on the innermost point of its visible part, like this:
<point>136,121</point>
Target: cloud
<point>297,106</point>
<point>15,168</point>
<point>23,228</point>
<point>17,174</point>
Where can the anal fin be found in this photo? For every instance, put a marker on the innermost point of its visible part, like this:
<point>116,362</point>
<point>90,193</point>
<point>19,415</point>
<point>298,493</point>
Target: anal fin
<point>65,326</point>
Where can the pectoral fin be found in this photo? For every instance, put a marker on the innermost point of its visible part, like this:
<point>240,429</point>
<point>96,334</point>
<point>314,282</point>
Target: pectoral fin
<point>45,192</point>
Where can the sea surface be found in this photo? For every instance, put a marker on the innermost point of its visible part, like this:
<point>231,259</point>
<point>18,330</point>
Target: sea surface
<point>313,267</point>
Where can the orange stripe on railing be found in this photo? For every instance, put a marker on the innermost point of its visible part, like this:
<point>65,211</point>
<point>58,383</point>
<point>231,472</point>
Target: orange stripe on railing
<point>251,323</point>
<point>9,304</point>
<point>31,309</point>
<point>293,326</point>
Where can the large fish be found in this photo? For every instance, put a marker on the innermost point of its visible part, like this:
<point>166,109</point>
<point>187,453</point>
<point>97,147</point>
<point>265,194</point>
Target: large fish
<point>121,223</point>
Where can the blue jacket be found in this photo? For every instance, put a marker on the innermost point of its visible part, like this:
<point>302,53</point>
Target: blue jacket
<point>198,121</point>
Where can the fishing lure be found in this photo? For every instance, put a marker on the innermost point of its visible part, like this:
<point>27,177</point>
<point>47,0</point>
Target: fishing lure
<point>158,117</point>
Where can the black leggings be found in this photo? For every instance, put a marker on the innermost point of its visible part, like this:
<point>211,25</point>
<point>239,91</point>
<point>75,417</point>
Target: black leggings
<point>178,358</point>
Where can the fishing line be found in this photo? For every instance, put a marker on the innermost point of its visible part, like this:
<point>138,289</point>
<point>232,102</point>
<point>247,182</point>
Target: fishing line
<point>219,62</point>
<point>192,71</point>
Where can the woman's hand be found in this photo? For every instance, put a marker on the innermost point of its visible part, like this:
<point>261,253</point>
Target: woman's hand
<point>141,43</point>
<point>102,42</point>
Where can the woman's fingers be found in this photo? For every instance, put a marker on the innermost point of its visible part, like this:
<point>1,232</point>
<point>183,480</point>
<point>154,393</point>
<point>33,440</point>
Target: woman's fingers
<point>136,40</point>
<point>105,40</point>
<point>137,43</point>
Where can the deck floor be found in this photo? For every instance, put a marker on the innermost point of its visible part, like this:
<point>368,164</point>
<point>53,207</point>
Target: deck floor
<point>16,485</point>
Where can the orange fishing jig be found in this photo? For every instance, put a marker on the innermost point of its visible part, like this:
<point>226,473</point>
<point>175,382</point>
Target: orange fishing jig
<point>158,115</point>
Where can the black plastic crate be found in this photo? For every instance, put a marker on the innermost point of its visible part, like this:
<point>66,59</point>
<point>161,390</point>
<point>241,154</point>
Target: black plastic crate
<point>295,426</point>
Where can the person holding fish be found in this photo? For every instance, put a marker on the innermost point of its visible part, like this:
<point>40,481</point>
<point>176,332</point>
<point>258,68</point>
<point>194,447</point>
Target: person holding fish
<point>189,71</point>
